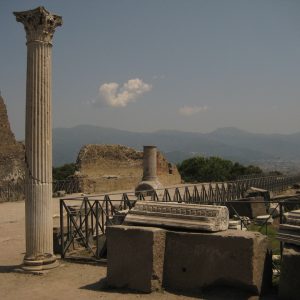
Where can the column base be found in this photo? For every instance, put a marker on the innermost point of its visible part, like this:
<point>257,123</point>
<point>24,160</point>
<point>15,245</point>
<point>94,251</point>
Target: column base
<point>40,263</point>
<point>147,188</point>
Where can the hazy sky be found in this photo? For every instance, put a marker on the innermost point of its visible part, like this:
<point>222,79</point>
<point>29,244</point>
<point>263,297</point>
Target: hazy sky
<point>142,65</point>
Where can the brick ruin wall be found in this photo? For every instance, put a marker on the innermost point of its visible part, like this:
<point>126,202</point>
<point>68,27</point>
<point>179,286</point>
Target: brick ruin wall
<point>106,168</point>
<point>11,152</point>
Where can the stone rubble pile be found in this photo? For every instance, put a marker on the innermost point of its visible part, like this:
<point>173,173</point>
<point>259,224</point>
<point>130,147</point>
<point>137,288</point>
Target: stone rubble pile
<point>290,231</point>
<point>264,219</point>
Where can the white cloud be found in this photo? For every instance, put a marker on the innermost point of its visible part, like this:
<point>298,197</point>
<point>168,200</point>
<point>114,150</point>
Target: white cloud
<point>191,110</point>
<point>112,94</point>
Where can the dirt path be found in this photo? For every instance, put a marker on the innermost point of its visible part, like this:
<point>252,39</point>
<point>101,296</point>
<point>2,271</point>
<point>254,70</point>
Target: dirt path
<point>68,281</point>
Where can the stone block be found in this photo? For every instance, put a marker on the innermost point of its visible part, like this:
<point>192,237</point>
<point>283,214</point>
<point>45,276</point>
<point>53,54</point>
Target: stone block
<point>289,234</point>
<point>250,207</point>
<point>263,220</point>
<point>289,284</point>
<point>135,257</point>
<point>232,258</point>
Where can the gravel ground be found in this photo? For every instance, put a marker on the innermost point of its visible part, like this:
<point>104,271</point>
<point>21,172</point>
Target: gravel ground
<point>69,280</point>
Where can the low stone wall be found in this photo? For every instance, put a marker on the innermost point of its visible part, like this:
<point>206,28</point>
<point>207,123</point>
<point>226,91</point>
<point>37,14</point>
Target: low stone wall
<point>191,261</point>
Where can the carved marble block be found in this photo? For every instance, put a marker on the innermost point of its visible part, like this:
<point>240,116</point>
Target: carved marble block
<point>290,231</point>
<point>208,218</point>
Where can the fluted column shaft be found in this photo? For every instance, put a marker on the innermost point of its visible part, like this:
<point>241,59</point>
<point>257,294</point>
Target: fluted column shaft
<point>38,149</point>
<point>39,25</point>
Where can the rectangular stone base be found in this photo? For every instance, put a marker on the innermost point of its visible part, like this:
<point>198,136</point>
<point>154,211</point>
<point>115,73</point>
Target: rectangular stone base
<point>135,257</point>
<point>144,258</point>
<point>289,285</point>
<point>230,258</point>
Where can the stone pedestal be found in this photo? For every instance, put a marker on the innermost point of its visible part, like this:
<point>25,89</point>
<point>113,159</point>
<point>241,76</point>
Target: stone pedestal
<point>289,284</point>
<point>233,258</point>
<point>39,25</point>
<point>135,257</point>
<point>147,258</point>
<point>150,180</point>
<point>209,218</point>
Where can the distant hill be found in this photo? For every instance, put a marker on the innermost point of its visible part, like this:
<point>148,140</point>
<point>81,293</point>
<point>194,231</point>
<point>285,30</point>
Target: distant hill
<point>230,143</point>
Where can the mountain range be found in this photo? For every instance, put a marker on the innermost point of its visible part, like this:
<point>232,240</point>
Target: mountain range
<point>229,143</point>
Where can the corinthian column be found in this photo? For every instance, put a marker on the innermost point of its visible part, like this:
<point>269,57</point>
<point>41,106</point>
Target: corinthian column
<point>39,25</point>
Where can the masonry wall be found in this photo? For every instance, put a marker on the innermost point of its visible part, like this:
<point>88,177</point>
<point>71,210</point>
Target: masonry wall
<point>11,151</point>
<point>106,168</point>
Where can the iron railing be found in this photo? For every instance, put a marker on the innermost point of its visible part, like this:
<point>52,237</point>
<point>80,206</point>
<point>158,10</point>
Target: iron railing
<point>84,219</point>
<point>204,192</point>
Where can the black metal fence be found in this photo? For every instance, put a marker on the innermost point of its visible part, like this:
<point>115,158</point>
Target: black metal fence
<point>202,192</point>
<point>83,223</point>
<point>83,220</point>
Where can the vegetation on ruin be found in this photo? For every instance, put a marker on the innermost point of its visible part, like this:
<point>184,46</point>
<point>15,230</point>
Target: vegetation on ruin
<point>202,169</point>
<point>63,172</point>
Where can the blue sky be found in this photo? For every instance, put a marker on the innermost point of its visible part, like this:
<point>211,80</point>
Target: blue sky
<point>186,65</point>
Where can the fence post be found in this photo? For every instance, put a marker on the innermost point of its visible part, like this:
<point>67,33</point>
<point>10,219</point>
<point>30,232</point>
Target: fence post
<point>86,220</point>
<point>62,239</point>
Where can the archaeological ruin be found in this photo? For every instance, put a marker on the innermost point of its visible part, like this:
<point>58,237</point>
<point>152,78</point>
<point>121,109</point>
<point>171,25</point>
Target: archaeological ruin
<point>107,168</point>
<point>133,213</point>
<point>11,151</point>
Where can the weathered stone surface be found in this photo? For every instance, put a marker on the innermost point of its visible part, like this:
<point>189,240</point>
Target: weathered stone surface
<point>147,187</point>
<point>104,168</point>
<point>290,231</point>
<point>293,217</point>
<point>229,258</point>
<point>236,225</point>
<point>249,207</point>
<point>135,257</point>
<point>257,192</point>
<point>11,151</point>
<point>289,284</point>
<point>264,219</point>
<point>143,258</point>
<point>150,180</point>
<point>179,215</point>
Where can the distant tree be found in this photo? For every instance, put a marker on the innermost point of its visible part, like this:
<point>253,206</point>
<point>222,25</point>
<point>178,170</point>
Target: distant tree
<point>192,169</point>
<point>237,170</point>
<point>275,173</point>
<point>200,169</point>
<point>63,172</point>
<point>254,170</point>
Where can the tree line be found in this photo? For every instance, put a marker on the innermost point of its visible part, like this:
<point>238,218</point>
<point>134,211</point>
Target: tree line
<point>205,169</point>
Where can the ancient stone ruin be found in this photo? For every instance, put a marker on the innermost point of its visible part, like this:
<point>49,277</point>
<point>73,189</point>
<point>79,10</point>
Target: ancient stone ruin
<point>104,168</point>
<point>198,252</point>
<point>11,151</point>
<point>150,180</point>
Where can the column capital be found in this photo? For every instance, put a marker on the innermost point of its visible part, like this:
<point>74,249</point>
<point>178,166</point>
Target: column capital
<point>39,24</point>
